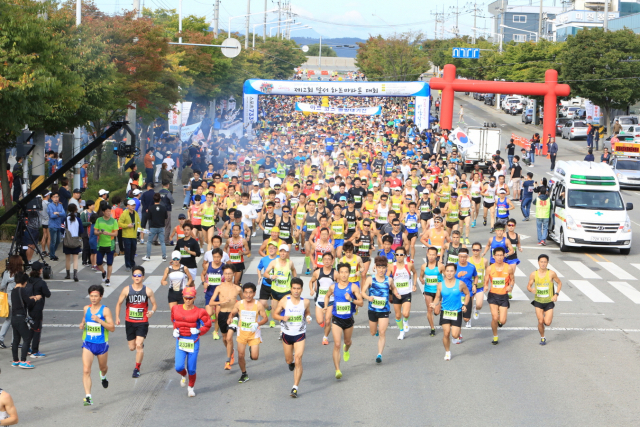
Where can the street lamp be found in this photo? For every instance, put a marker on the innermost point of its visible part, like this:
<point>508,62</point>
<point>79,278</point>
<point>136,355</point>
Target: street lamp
<point>301,28</point>
<point>250,14</point>
<point>254,30</point>
<point>293,25</point>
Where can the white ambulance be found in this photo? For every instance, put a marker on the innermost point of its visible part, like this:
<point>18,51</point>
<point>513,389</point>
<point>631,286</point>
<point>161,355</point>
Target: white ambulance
<point>587,209</point>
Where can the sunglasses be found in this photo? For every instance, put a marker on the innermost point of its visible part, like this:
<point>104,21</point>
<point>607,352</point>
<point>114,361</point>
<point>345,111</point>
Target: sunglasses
<point>475,250</point>
<point>188,298</point>
<point>176,259</point>
<point>137,275</point>
<point>285,211</point>
<point>399,254</point>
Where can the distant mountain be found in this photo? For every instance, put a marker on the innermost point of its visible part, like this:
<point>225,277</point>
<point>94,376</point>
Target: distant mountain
<point>344,52</point>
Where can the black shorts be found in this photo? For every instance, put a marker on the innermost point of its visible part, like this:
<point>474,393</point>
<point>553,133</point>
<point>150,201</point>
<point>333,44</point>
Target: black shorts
<point>544,306</point>
<point>136,329</point>
<point>291,339</point>
<point>463,217</point>
<point>375,315</point>
<point>467,314</point>
<point>197,227</point>
<point>365,259</point>
<point>265,292</point>
<point>343,323</point>
<point>321,304</point>
<point>206,227</point>
<point>45,226</point>
<point>412,235</point>
<point>476,200</point>
<point>277,296</point>
<point>502,221</point>
<point>402,300</point>
<point>379,226</point>
<point>442,204</point>
<point>349,234</point>
<point>451,224</point>
<point>223,317</point>
<point>175,296</point>
<point>501,300</point>
<point>457,322</point>
<point>238,267</point>
<point>430,294</point>
<point>488,205</point>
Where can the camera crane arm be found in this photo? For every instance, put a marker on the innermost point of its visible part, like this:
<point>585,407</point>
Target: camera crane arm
<point>23,203</point>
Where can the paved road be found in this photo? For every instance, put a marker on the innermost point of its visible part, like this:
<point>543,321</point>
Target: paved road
<point>585,375</point>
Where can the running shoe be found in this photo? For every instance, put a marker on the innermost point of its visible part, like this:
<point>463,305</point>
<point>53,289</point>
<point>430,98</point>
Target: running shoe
<point>447,355</point>
<point>401,335</point>
<point>467,240</point>
<point>38,355</point>
<point>473,224</point>
<point>476,314</point>
<point>377,333</point>
<point>405,326</point>
<point>216,336</point>
<point>243,378</point>
<point>510,295</point>
<point>379,358</point>
<point>495,341</point>
<point>87,401</point>
<point>183,381</point>
<point>543,341</point>
<point>491,231</point>
<point>2,345</point>
<point>345,354</point>
<point>107,282</point>
<point>467,325</point>
<point>544,243</point>
<point>26,365</point>
<point>227,366</point>
<point>484,222</point>
<point>338,375</point>
<point>15,364</point>
<point>322,325</point>
<point>325,341</point>
<point>136,373</point>
<point>540,243</point>
<point>164,259</point>
<point>292,366</point>
<point>146,258</point>
<point>191,392</point>
<point>294,392</point>
<point>105,381</point>
<point>232,358</point>
<point>272,324</point>
<point>433,333</point>
<point>308,272</point>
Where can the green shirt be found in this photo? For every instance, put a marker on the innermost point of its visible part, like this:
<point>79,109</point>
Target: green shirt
<point>109,226</point>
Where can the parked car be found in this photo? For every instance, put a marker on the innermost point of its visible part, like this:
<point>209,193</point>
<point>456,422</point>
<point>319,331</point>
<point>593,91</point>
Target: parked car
<point>574,129</point>
<point>581,114</point>
<point>527,116</point>
<point>560,122</point>
<point>571,112</point>
<point>628,171</point>
<point>625,120</point>
<point>508,103</point>
<point>490,98</point>
<point>633,131</point>
<point>518,107</point>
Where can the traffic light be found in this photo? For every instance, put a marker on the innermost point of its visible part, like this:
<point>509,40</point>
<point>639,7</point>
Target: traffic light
<point>22,148</point>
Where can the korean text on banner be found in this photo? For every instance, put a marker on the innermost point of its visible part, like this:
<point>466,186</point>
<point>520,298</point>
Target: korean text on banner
<point>421,116</point>
<point>186,109</point>
<point>174,119</point>
<point>187,131</point>
<point>312,108</point>
<point>250,109</point>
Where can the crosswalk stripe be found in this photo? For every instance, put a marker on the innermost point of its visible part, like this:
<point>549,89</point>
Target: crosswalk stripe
<point>150,267</point>
<point>563,297</point>
<point>118,261</point>
<point>617,271</point>
<point>519,273</point>
<point>636,266</point>
<point>593,293</point>
<point>627,290</point>
<point>518,294</point>
<point>549,266</point>
<point>116,281</point>
<point>584,271</point>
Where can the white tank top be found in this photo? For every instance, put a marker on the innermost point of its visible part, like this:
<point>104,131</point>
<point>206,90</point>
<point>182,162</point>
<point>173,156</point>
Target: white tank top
<point>296,324</point>
<point>177,279</point>
<point>402,280</point>
<point>383,214</point>
<point>465,201</point>
<point>475,189</point>
<point>324,282</point>
<point>256,200</point>
<point>491,194</point>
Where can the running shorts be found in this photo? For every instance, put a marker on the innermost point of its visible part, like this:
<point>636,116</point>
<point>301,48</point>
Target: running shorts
<point>136,329</point>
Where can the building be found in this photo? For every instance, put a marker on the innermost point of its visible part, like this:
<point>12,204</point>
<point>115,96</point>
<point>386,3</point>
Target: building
<point>521,23</point>
<point>584,14</point>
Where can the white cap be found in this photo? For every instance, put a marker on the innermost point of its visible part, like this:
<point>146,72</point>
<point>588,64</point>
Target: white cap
<point>169,153</point>
<point>131,202</point>
<point>317,187</point>
<point>425,191</point>
<point>256,183</point>
<point>261,175</point>
<point>321,181</point>
<point>102,192</point>
<point>386,189</point>
<point>136,192</point>
<point>376,184</point>
<point>284,247</point>
<point>397,189</point>
<point>175,254</point>
<point>502,191</point>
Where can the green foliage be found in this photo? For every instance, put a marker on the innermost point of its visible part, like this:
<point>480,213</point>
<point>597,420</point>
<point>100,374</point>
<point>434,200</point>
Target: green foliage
<point>314,50</point>
<point>396,58</point>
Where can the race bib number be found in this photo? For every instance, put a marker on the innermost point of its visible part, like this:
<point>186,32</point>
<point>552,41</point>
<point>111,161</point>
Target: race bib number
<point>248,318</point>
<point>411,225</point>
<point>267,230</point>
<point>542,291</point>
<point>364,247</point>
<point>337,229</point>
<point>382,218</point>
<point>323,292</point>
<point>402,285</point>
<point>379,302</point>
<point>351,225</point>
<point>136,313</point>
<point>297,319</point>
<point>284,234</point>
<point>357,199</point>
<point>452,259</point>
<point>208,217</point>
<point>453,215</point>
<point>464,212</point>
<point>187,345</point>
<point>502,211</point>
<point>311,226</point>
<point>94,329</point>
<point>424,208</point>
<point>475,194</point>
<point>214,279</point>
<point>343,308</point>
<point>498,282</point>
<point>235,257</point>
<point>431,280</point>
<point>184,253</point>
<point>449,315</point>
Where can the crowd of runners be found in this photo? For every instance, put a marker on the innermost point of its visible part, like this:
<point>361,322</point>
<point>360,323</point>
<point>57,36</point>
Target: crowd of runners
<point>380,210</point>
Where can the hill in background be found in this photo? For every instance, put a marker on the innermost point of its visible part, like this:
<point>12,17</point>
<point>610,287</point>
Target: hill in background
<point>341,51</point>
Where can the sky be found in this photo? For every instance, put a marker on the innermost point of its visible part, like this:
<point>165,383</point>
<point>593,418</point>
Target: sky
<point>337,18</point>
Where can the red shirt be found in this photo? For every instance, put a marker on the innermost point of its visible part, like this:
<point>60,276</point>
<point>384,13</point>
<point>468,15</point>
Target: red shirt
<point>184,320</point>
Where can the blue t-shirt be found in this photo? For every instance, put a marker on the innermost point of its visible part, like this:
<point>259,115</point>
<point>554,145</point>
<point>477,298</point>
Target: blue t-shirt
<point>469,271</point>
<point>527,189</point>
<point>262,266</point>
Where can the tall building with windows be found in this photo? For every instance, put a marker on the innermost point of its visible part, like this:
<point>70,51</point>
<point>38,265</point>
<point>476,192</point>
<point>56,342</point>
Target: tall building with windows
<point>587,13</point>
<point>521,23</point>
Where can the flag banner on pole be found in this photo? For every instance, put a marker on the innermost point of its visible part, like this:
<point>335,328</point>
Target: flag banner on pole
<point>460,138</point>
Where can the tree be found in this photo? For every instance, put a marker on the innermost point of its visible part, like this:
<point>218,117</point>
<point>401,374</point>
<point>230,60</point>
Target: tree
<point>396,58</point>
<point>280,58</point>
<point>603,67</point>
<point>327,52</point>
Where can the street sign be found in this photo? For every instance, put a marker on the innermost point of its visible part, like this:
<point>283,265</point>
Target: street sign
<point>231,47</point>
<point>465,52</point>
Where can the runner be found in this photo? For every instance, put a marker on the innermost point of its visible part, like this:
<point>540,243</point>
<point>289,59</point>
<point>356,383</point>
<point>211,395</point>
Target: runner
<point>180,278</point>
<point>96,325</point>
<point>466,204</point>
<point>365,243</point>
<point>481,264</point>
<point>281,270</point>
<point>189,250</point>
<point>212,278</point>
<point>222,302</point>
<point>346,297</point>
<point>339,227</point>
<point>265,283</point>
<point>293,314</point>
<point>498,281</point>
<point>451,210</point>
<point>355,276</point>
<point>503,206</point>
<point>189,323</point>
<point>237,247</point>
<point>498,241</point>
<point>8,411</point>
<point>452,248</point>
<point>435,237</point>
<point>138,314</point>
<point>466,272</point>
<point>450,296</point>
<point>541,283</point>
<point>410,219</point>
<point>476,198</point>
<point>249,334</point>
<point>106,228</point>
<point>431,277</point>
<point>403,274</point>
<point>320,282</point>
<point>489,200</point>
<point>320,247</point>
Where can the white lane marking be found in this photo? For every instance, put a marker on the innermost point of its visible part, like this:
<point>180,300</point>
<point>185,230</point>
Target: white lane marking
<point>61,290</point>
<point>636,265</point>
<point>116,281</point>
<point>634,222</point>
<point>541,248</point>
<point>617,271</point>
<point>593,293</point>
<point>584,271</point>
<point>563,296</point>
<point>518,294</point>
<point>519,273</point>
<point>627,290</point>
<point>549,266</point>
<point>151,266</point>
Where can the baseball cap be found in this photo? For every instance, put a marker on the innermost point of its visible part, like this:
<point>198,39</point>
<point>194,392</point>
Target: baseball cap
<point>176,254</point>
<point>261,175</point>
<point>376,184</point>
<point>274,170</point>
<point>284,247</point>
<point>103,192</point>
<point>182,216</point>
<point>77,190</point>
<point>136,192</point>
<point>189,292</point>
<point>131,202</point>
<point>37,266</point>
<point>276,229</point>
<point>386,189</point>
<point>317,187</point>
<point>343,198</point>
<point>502,191</point>
<point>256,183</point>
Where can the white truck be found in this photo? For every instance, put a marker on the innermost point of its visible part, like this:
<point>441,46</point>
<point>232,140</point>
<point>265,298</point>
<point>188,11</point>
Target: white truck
<point>486,143</point>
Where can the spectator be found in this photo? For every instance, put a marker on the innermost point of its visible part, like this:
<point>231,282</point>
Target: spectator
<point>596,136</point>
<point>73,226</point>
<point>589,157</point>
<point>527,196</point>
<point>167,175</point>
<point>56,213</point>
<point>21,303</point>
<point>543,209</point>
<point>8,283</point>
<point>146,200</point>
<point>605,157</point>
<point>129,223</point>
<point>166,200</point>
<point>516,174</point>
<point>511,149</point>
<point>84,175</point>
<point>617,127</point>
<point>75,200</point>
<point>552,150</point>
<point>157,215</point>
<point>64,194</point>
<point>44,222</point>
<point>85,218</point>
<point>37,287</point>
<point>9,179</point>
<point>149,158</point>
<point>116,211</point>
<point>535,140</point>
<point>168,160</point>
<point>17,179</point>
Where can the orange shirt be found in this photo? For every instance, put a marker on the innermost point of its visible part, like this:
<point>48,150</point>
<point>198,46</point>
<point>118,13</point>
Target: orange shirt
<point>148,161</point>
<point>499,279</point>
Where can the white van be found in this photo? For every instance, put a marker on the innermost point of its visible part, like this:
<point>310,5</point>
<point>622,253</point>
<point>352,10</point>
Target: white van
<point>587,209</point>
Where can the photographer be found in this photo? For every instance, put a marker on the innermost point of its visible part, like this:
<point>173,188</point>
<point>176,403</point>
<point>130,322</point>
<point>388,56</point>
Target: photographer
<point>21,302</point>
<point>38,288</point>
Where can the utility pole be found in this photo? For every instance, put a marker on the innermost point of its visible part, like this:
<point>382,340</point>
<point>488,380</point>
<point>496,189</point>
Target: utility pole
<point>131,112</point>
<point>279,17</point>
<point>216,17</point>
<point>77,132</point>
<point>320,56</point>
<point>179,20</point>
<point>264,26</point>
<point>246,37</point>
<point>540,22</point>
<point>502,12</point>
<point>473,7</point>
<point>606,15</point>
<point>456,29</point>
